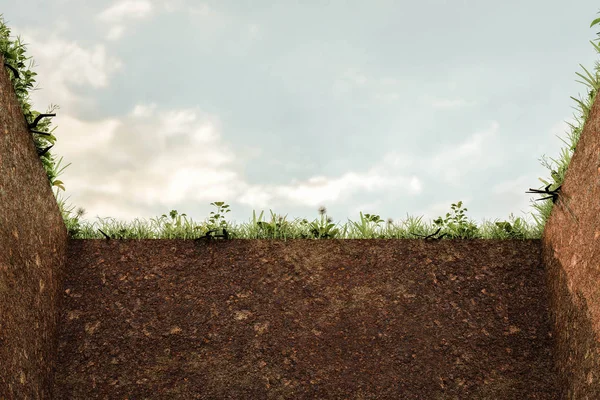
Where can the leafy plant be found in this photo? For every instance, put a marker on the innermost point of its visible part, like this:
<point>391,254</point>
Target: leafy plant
<point>175,225</point>
<point>515,231</point>
<point>215,220</point>
<point>458,224</point>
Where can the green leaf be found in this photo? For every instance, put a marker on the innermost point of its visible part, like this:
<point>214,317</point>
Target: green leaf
<point>592,82</point>
<point>584,108</point>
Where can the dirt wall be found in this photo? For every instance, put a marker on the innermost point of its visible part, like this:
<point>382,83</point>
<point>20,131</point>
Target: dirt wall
<point>305,319</point>
<point>33,241</point>
<point>571,244</point>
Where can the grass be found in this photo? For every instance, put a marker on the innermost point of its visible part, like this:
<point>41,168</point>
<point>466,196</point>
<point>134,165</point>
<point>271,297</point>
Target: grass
<point>455,226</point>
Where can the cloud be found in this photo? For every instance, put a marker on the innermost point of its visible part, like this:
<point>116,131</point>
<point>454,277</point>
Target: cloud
<point>60,64</point>
<point>470,153</point>
<point>151,156</point>
<point>80,137</point>
<point>115,32</point>
<point>126,9</point>
<point>118,14</point>
<point>148,156</point>
<point>165,156</point>
<point>394,171</point>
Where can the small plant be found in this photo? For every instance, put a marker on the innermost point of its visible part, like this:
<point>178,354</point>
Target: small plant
<point>175,226</point>
<point>322,230</point>
<point>515,231</point>
<point>72,224</point>
<point>176,219</point>
<point>364,227</point>
<point>218,220</point>
<point>459,227</point>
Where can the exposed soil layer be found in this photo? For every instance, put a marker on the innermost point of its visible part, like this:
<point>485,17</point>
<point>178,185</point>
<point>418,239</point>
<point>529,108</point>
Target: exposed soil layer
<point>33,242</point>
<point>305,319</point>
<point>571,254</point>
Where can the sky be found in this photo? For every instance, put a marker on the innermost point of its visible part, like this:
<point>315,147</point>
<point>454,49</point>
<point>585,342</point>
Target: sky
<point>393,108</point>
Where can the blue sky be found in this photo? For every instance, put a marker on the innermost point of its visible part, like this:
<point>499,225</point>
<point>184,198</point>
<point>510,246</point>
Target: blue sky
<point>392,108</point>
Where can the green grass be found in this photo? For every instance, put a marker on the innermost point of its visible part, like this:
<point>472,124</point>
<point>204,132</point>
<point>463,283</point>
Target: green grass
<point>455,226</point>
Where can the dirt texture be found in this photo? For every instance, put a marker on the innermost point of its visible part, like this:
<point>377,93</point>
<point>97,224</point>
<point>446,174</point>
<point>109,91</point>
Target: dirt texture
<point>305,319</point>
<point>571,244</point>
<point>33,241</point>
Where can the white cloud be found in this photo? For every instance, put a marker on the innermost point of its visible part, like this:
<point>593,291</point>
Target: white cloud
<point>319,190</point>
<point>126,9</point>
<point>120,12</point>
<point>154,156</point>
<point>61,25</point>
<point>150,156</point>
<point>141,110</point>
<point>73,64</point>
<point>167,156</point>
<point>468,154</point>
<point>117,15</point>
<point>115,32</point>
<point>78,137</point>
<point>60,63</point>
